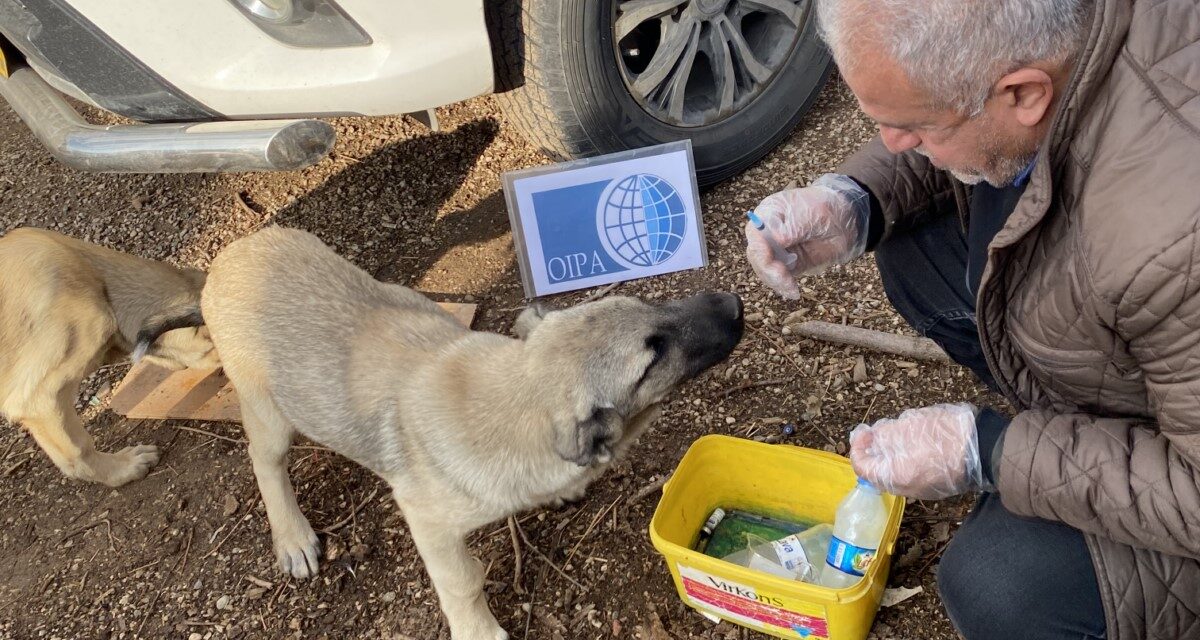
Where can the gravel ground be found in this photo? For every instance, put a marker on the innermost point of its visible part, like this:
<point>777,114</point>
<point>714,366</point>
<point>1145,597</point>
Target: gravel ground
<point>185,553</point>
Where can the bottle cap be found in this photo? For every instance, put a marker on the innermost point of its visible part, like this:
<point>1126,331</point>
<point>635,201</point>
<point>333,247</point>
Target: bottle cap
<point>755,220</point>
<point>863,482</point>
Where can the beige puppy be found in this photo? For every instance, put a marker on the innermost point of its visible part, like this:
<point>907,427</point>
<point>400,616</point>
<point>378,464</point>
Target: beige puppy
<point>466,427</point>
<point>67,307</point>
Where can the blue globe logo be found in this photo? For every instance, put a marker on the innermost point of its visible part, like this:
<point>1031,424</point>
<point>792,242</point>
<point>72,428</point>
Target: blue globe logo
<point>642,220</point>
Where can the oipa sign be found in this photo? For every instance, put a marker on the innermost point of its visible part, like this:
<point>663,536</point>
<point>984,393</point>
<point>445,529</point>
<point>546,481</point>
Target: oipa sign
<point>607,219</point>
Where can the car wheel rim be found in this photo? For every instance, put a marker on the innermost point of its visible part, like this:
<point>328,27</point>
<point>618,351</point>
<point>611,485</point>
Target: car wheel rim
<point>692,63</point>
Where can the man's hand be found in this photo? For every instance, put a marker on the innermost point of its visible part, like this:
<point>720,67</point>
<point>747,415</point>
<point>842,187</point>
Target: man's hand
<point>928,453</point>
<point>822,224</point>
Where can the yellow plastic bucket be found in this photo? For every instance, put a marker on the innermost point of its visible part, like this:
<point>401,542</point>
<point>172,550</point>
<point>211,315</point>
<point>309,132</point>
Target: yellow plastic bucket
<point>803,485</point>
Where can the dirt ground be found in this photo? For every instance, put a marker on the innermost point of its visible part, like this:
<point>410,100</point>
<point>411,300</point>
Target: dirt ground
<point>185,553</point>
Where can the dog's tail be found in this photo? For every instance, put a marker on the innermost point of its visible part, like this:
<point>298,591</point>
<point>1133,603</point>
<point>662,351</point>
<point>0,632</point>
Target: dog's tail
<point>178,317</point>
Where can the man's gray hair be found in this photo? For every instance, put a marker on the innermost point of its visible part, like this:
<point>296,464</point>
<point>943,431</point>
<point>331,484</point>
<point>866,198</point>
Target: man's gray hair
<point>955,50</point>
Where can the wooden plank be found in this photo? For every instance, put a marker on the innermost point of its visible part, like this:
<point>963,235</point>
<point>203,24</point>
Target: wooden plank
<point>154,393</point>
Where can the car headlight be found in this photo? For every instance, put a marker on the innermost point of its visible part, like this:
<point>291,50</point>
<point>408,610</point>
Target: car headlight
<point>274,11</point>
<point>304,23</point>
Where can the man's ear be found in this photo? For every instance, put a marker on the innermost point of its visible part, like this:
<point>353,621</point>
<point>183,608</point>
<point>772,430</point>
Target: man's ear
<point>529,319</point>
<point>591,441</point>
<point>1028,93</point>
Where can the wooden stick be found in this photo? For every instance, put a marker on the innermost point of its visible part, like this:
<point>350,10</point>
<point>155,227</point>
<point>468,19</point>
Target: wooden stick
<point>541,556</point>
<point>600,293</point>
<point>86,527</point>
<point>649,489</point>
<point>187,549</point>
<point>750,385</point>
<point>210,434</point>
<point>589,530</point>
<point>304,447</point>
<point>16,465</point>
<point>225,539</point>
<point>353,512</point>
<point>245,206</point>
<point>516,543</point>
<point>255,580</point>
<point>905,346</point>
<point>9,449</point>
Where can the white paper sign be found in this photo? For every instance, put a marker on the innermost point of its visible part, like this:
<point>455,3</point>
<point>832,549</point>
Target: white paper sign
<point>607,219</point>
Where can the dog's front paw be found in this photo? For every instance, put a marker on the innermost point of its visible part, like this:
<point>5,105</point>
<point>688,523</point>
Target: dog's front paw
<point>127,465</point>
<point>472,619</point>
<point>570,496</point>
<point>298,550</point>
<point>482,631</point>
<point>529,319</point>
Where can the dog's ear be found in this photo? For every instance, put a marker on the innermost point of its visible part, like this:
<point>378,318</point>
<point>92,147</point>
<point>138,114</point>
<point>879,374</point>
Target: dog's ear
<point>530,318</point>
<point>592,441</point>
<point>179,317</point>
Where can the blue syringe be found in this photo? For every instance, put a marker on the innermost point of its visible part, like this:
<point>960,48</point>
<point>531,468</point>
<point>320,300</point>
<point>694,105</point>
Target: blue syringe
<point>783,255</point>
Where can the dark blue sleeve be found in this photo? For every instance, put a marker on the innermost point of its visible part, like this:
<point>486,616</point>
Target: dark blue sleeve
<point>876,223</point>
<point>989,427</point>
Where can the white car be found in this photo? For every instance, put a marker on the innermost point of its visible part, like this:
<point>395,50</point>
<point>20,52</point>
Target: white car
<point>236,85</point>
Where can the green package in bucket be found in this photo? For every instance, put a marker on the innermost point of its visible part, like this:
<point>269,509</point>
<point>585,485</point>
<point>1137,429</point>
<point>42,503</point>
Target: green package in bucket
<point>733,531</point>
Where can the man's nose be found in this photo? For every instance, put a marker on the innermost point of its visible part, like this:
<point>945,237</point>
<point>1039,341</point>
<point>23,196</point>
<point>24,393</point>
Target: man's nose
<point>898,140</point>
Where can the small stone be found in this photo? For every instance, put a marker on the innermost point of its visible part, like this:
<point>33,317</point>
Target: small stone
<point>230,506</point>
<point>390,596</point>
<point>222,603</point>
<point>860,370</point>
<point>754,317</point>
<point>334,549</point>
<point>730,420</point>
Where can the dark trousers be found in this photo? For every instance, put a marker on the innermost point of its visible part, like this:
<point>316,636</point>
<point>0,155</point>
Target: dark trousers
<point>1002,576</point>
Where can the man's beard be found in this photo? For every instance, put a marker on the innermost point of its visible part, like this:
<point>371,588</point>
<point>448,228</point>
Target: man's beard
<point>1004,164</point>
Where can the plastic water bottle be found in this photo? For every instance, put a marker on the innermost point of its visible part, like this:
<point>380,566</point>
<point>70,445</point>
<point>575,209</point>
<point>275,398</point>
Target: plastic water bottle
<point>795,557</point>
<point>857,532</point>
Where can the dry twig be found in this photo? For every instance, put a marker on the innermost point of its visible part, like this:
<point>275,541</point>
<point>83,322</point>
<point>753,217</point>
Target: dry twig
<point>86,527</point>
<point>229,535</point>
<point>541,556</point>
<point>649,489</point>
<point>600,293</point>
<point>750,385</point>
<point>589,529</point>
<point>353,512</point>
<point>516,543</point>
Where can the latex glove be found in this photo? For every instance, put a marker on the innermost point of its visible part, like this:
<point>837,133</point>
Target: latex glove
<point>928,453</point>
<point>823,224</point>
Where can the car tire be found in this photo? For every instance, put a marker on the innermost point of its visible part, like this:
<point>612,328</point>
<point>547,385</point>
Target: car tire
<point>573,92</point>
